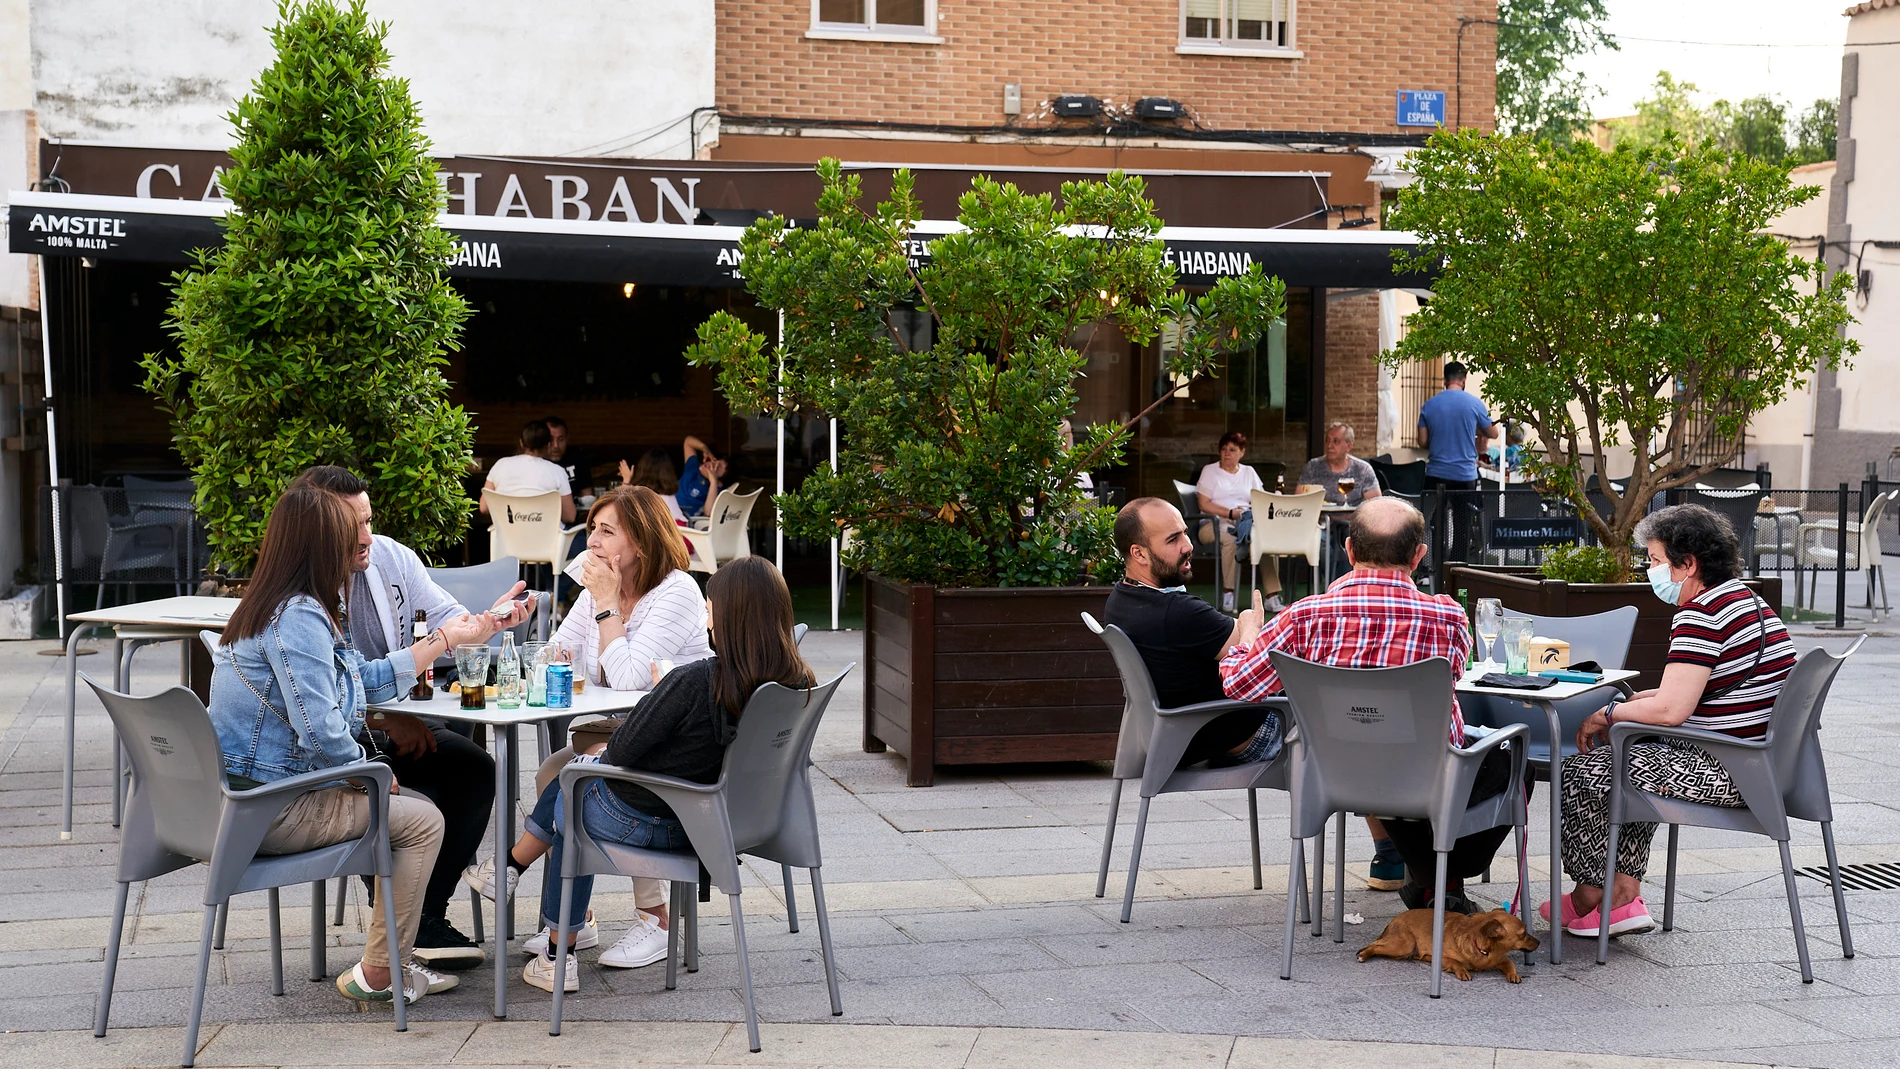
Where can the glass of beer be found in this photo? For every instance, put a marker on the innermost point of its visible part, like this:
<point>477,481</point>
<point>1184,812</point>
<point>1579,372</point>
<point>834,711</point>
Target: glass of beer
<point>1346,486</point>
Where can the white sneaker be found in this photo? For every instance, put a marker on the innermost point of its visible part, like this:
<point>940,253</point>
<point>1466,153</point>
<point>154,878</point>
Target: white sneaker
<point>426,980</point>
<point>644,944</point>
<point>1274,604</point>
<point>586,939</point>
<point>1227,602</point>
<point>539,972</point>
<point>481,876</point>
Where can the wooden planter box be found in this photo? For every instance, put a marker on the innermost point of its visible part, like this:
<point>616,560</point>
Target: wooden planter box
<point>986,676</point>
<point>1526,590</point>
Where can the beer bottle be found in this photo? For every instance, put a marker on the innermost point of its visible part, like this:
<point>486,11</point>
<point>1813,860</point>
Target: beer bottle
<point>424,689</point>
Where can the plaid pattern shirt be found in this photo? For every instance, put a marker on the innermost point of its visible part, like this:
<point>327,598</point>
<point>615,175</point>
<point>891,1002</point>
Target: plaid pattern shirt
<point>1368,618</point>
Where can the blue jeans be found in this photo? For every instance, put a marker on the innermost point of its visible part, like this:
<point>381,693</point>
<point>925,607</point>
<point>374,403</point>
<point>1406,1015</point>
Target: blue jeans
<point>608,819</point>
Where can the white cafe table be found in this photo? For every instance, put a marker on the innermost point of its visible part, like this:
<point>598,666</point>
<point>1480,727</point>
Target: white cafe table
<point>1546,699</point>
<point>139,624</point>
<point>592,701</point>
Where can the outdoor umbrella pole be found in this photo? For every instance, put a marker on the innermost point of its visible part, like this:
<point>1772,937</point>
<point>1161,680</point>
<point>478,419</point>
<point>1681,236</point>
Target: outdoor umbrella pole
<point>778,526</point>
<point>52,448</point>
<point>837,580</point>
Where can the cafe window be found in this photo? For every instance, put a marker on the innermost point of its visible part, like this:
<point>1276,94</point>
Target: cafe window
<point>875,20</point>
<point>1223,27</point>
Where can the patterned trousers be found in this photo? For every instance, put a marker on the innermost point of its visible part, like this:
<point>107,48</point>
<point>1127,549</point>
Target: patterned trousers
<point>1670,769</point>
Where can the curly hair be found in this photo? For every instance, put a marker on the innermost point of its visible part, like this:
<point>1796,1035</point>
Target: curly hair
<point>1233,438</point>
<point>1691,531</point>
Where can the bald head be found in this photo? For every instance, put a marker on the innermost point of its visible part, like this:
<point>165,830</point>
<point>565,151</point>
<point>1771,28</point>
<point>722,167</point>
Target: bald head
<point>1386,533</point>
<point>1154,542</point>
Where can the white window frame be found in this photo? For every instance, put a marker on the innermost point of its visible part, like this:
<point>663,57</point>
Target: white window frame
<point>1209,46</point>
<point>871,30</point>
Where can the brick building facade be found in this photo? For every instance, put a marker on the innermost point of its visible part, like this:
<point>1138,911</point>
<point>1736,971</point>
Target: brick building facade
<point>972,82</point>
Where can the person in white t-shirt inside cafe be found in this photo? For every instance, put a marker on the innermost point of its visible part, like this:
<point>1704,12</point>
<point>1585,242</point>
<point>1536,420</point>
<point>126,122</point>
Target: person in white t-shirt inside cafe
<point>1225,490</point>
<point>530,473</point>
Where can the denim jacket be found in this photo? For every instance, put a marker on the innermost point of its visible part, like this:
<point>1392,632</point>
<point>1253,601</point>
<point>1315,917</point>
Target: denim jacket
<point>291,699</point>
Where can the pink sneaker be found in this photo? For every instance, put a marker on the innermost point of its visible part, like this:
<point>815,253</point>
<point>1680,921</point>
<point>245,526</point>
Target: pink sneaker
<point>1624,920</point>
<point>1570,911</point>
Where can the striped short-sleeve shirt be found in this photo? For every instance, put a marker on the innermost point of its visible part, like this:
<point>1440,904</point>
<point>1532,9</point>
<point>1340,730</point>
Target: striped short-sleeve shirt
<point>1721,629</point>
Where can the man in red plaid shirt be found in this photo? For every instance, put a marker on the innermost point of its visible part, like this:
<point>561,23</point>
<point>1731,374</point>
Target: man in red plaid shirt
<point>1374,617</point>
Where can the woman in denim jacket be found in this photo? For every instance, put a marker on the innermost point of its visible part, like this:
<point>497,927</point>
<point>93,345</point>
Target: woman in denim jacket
<point>288,695</point>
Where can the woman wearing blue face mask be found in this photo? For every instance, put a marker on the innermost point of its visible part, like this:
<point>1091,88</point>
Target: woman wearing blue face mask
<point>1728,656</point>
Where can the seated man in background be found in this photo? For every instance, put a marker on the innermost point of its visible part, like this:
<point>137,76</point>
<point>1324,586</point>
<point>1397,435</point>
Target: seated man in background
<point>1180,637</point>
<point>1374,617</point>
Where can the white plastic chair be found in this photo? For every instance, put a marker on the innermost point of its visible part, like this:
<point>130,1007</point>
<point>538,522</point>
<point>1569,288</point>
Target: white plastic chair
<point>1816,550</point>
<point>1287,525</point>
<point>725,539</point>
<point>529,530</point>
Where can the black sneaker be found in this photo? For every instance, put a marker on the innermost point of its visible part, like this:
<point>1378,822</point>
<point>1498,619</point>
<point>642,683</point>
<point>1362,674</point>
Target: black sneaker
<point>440,946</point>
<point>1418,896</point>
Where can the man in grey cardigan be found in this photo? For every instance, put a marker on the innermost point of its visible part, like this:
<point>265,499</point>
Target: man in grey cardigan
<point>388,586</point>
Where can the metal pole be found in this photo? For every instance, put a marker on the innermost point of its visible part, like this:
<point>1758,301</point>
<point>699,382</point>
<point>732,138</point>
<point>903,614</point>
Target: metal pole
<point>1840,563</point>
<point>52,446</point>
<point>778,528</point>
<point>837,580</point>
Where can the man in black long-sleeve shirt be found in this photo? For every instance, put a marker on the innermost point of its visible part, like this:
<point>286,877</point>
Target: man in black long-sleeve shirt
<point>1180,637</point>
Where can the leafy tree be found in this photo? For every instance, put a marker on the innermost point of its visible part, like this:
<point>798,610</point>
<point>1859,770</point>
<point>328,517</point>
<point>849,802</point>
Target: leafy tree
<point>1756,127</point>
<point>1814,131</point>
<point>316,334</point>
<point>1610,298</point>
<point>1671,108</point>
<point>1537,92</point>
<point>954,472</point>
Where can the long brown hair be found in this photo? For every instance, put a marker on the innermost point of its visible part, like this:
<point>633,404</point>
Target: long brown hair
<point>655,471</point>
<point>308,545</point>
<point>646,521</point>
<point>752,625</point>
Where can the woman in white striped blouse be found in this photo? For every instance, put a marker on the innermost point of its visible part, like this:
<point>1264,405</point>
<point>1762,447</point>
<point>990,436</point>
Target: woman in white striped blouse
<point>640,606</point>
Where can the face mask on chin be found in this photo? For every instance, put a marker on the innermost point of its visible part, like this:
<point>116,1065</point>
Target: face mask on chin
<point>1669,590</point>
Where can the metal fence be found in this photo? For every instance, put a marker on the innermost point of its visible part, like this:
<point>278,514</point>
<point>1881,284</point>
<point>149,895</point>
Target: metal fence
<point>112,538</point>
<point>1796,534</point>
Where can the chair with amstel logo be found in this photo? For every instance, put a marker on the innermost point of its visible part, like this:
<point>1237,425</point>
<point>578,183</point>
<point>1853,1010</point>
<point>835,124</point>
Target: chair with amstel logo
<point>1287,525</point>
<point>529,530</point>
<point>724,538</point>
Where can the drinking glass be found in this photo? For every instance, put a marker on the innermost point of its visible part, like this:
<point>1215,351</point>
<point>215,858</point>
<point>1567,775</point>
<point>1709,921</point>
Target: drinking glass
<point>1490,617</point>
<point>1346,487</point>
<point>471,663</point>
<point>534,665</point>
<point>1516,635</point>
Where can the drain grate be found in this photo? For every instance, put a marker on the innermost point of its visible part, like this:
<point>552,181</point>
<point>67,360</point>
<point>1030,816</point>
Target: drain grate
<point>1880,876</point>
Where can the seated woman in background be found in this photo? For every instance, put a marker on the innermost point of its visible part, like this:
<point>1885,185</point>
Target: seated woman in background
<point>1728,657</point>
<point>655,472</point>
<point>288,694</point>
<point>681,729</point>
<point>640,608</point>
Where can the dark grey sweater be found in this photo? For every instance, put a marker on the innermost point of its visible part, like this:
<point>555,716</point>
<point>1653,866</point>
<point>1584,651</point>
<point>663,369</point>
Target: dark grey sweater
<point>677,730</point>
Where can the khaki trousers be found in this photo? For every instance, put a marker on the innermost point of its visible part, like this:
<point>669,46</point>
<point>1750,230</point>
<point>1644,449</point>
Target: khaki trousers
<point>337,814</point>
<point>1268,578</point>
<point>647,894</point>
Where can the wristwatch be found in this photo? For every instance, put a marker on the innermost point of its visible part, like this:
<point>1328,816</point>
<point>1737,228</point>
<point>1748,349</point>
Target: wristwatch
<point>604,613</point>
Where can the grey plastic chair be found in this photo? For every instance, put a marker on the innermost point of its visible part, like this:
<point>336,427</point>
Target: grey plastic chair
<point>1198,521</point>
<point>1377,740</point>
<point>1780,775</point>
<point>1150,746</point>
<point>478,585</point>
<point>760,805</point>
<point>181,812</point>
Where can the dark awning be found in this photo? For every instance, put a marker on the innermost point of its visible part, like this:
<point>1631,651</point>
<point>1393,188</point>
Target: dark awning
<point>672,254</point>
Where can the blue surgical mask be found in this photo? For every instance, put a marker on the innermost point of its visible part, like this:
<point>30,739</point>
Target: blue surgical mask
<point>1174,590</point>
<point>1666,588</point>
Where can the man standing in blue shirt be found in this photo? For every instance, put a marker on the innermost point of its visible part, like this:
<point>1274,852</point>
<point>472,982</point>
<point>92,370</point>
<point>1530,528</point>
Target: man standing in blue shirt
<point>1450,426</point>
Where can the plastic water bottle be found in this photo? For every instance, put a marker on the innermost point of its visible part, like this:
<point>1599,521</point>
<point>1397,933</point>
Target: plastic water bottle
<point>508,682</point>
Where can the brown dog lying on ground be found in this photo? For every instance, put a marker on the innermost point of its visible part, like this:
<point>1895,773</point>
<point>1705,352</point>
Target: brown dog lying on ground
<point>1472,944</point>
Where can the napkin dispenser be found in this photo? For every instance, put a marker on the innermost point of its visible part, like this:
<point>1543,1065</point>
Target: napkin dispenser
<point>1549,653</point>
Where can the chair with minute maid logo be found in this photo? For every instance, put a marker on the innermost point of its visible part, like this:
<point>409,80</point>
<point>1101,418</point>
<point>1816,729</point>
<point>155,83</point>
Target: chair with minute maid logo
<point>529,529</point>
<point>1287,525</point>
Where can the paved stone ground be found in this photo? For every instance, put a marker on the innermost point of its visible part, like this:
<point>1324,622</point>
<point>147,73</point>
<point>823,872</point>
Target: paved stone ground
<point>967,927</point>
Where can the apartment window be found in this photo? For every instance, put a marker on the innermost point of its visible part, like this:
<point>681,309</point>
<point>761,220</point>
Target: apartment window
<point>1221,27</point>
<point>875,20</point>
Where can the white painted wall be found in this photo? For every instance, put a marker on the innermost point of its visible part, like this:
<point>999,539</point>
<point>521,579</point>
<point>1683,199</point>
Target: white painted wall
<point>1873,211</point>
<point>589,78</point>
<point>1781,435</point>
